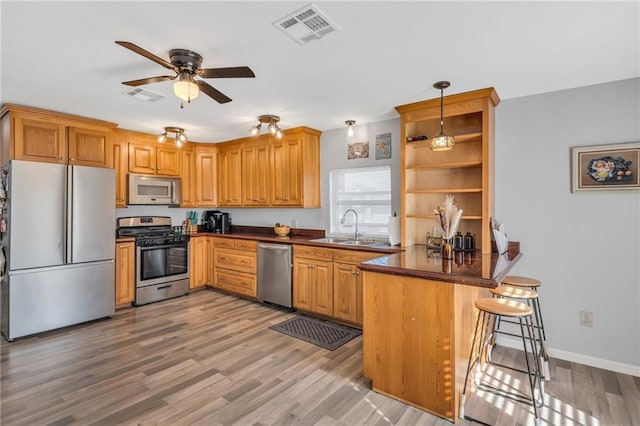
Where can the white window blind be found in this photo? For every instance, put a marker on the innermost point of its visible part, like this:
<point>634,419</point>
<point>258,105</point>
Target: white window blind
<point>367,190</point>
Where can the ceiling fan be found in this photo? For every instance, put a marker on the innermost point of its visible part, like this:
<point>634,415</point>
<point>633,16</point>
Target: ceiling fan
<point>186,64</point>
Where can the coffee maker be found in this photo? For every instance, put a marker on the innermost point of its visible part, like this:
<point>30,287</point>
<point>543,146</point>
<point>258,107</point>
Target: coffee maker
<point>217,221</point>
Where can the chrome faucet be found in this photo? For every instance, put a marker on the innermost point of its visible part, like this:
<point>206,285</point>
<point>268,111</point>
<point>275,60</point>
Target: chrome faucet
<point>355,234</point>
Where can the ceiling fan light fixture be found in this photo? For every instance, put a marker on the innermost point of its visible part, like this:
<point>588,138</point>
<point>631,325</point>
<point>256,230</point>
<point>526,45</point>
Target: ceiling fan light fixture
<point>272,125</point>
<point>442,142</point>
<point>185,88</point>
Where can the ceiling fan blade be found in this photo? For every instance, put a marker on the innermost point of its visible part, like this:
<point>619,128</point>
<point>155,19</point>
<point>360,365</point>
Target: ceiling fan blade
<point>213,93</point>
<point>140,51</point>
<point>149,80</point>
<point>230,72</point>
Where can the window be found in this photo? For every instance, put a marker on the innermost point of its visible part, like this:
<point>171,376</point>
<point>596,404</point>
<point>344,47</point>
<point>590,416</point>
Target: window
<point>367,190</point>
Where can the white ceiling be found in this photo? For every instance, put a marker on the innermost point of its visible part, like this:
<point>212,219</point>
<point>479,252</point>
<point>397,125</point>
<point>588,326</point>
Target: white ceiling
<point>62,56</point>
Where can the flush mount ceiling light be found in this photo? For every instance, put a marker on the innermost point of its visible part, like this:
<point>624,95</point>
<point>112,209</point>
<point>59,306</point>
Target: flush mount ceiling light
<point>271,122</point>
<point>350,124</point>
<point>175,132</point>
<point>442,142</point>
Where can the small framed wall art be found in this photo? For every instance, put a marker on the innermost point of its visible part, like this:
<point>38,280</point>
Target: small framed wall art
<point>605,167</point>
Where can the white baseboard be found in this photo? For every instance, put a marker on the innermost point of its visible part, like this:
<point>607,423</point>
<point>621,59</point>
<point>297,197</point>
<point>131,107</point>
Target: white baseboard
<point>618,367</point>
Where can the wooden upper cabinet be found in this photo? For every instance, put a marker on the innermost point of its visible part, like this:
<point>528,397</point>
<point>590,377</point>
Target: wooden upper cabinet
<point>188,176</point>
<point>119,161</point>
<point>168,160</point>
<point>295,169</point>
<point>40,140</point>
<point>147,156</point>
<point>255,174</point>
<point>89,147</point>
<point>33,134</point>
<point>206,193</point>
<point>230,175</point>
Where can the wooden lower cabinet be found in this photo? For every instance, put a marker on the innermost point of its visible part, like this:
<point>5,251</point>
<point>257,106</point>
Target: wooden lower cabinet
<point>235,266</point>
<point>200,259</point>
<point>125,264</point>
<point>328,282</point>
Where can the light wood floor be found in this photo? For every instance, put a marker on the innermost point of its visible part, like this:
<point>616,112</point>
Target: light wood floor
<point>209,359</point>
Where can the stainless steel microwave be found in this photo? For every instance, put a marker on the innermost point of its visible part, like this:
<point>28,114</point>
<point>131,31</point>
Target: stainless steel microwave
<point>152,189</point>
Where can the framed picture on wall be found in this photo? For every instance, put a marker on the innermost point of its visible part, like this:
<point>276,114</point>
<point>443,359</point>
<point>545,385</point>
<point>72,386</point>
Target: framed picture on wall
<point>605,167</point>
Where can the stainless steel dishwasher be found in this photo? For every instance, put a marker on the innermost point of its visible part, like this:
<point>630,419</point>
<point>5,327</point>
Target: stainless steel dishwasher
<point>274,274</point>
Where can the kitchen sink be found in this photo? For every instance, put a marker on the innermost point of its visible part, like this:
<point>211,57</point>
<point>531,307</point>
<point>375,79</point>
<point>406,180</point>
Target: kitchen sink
<point>331,240</point>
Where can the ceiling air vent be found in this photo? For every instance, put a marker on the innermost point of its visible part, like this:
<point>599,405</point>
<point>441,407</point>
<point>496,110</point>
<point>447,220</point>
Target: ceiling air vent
<point>143,95</point>
<point>306,24</point>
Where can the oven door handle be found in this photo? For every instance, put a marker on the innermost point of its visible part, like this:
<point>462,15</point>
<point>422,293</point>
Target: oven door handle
<point>164,286</point>
<point>185,245</point>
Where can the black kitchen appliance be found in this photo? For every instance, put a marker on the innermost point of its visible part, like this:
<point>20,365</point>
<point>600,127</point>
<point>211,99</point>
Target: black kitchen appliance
<point>217,221</point>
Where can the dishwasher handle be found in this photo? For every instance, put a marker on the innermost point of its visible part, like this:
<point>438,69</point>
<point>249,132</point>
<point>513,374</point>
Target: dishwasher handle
<point>281,247</point>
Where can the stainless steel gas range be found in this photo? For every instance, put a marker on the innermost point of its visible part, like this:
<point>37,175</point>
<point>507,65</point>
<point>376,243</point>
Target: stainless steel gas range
<point>162,258</point>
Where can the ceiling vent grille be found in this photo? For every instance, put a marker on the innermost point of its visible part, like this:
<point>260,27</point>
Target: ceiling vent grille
<point>143,95</point>
<point>306,24</point>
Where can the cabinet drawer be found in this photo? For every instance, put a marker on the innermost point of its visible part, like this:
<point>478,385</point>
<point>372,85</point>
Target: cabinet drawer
<point>245,245</point>
<point>235,260</point>
<point>237,282</point>
<point>312,252</point>
<point>353,256</point>
<point>223,242</point>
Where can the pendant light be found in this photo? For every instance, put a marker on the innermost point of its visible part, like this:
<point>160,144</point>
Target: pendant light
<point>350,124</point>
<point>442,142</point>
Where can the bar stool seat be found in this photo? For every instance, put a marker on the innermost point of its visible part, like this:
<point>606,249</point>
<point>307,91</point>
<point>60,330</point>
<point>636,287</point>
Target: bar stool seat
<point>496,308</point>
<point>518,281</point>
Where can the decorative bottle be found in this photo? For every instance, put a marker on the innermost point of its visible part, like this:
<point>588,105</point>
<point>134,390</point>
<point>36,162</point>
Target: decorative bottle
<point>458,242</point>
<point>447,249</point>
<point>469,242</point>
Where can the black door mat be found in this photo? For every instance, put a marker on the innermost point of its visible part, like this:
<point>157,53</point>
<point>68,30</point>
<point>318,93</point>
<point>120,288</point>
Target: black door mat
<point>325,334</point>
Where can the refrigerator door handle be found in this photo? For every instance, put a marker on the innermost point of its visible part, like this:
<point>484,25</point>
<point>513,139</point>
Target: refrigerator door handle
<point>68,228</point>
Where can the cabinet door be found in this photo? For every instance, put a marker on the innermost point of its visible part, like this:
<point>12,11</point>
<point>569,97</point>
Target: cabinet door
<point>119,151</point>
<point>37,140</point>
<point>142,158</point>
<point>345,294</point>
<point>167,160</point>
<point>187,177</point>
<point>302,284</point>
<point>323,288</point>
<point>286,166</point>
<point>89,147</point>
<point>255,175</point>
<point>125,272</point>
<point>230,176</point>
<point>206,177</point>
<point>199,273</point>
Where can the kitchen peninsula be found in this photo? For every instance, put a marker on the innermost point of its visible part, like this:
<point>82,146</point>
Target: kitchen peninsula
<point>418,322</point>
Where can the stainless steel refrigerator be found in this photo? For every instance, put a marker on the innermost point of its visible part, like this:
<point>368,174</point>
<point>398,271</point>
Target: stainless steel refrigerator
<point>59,246</point>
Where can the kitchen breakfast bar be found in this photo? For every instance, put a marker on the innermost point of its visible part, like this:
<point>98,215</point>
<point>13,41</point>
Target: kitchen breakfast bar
<point>418,322</point>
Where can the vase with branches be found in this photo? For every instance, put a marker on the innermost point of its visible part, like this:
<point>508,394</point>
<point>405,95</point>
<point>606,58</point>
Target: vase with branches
<point>449,216</point>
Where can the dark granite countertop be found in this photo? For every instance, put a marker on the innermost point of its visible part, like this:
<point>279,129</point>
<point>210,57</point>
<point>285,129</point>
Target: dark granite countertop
<point>474,268</point>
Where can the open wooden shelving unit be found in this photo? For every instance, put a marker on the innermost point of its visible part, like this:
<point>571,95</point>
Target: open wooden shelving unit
<point>466,172</point>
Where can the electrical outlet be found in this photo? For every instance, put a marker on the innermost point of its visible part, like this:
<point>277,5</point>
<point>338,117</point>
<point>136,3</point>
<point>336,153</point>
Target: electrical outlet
<point>293,223</point>
<point>586,319</point>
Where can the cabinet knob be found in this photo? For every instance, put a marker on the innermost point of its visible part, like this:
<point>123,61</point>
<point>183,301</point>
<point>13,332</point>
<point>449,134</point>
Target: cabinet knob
<point>60,158</point>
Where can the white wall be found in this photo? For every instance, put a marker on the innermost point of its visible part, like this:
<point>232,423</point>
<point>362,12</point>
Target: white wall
<point>585,247</point>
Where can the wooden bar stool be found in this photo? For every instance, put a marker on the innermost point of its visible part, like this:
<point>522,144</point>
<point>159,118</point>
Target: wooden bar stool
<point>491,309</point>
<point>533,284</point>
